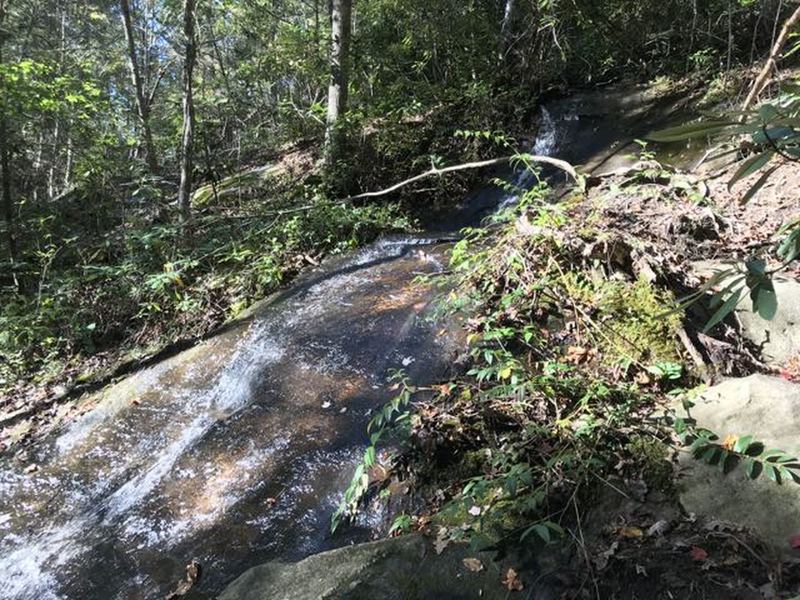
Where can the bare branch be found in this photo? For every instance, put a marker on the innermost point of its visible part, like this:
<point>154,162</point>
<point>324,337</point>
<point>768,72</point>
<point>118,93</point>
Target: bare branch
<point>559,164</point>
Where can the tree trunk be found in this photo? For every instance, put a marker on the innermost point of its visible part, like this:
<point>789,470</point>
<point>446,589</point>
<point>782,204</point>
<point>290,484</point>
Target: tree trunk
<point>5,166</point>
<point>142,106</point>
<point>341,11</point>
<point>505,29</point>
<point>187,142</point>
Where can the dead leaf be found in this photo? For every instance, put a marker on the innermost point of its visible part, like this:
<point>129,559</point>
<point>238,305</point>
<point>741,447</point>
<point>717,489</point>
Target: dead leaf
<point>630,532</point>
<point>193,573</point>
<point>445,389</point>
<point>442,541</point>
<point>730,442</point>
<point>512,582</point>
<point>473,564</point>
<point>576,354</point>
<point>699,554</point>
<point>658,528</point>
<point>601,562</point>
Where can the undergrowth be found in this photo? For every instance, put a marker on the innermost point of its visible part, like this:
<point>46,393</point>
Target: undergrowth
<point>567,359</point>
<point>144,284</point>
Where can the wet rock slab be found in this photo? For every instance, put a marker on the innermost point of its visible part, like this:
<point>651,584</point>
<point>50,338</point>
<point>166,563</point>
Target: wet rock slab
<point>769,409</point>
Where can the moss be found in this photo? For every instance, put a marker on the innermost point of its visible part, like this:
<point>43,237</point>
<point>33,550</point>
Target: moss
<point>629,316</point>
<point>653,456</point>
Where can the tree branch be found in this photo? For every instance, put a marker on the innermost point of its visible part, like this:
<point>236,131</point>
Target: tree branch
<point>772,62</point>
<point>559,164</point>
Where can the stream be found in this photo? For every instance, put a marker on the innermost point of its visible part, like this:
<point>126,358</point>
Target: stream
<point>237,451</point>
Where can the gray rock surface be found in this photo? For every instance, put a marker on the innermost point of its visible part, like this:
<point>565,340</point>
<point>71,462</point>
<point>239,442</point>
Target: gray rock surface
<point>404,568</point>
<point>778,339</point>
<point>769,409</point>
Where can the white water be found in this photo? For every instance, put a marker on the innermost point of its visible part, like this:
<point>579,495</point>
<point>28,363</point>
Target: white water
<point>144,479</point>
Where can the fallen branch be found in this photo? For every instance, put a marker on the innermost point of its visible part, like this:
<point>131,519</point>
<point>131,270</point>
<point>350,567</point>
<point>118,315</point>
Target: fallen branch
<point>772,62</point>
<point>559,164</point>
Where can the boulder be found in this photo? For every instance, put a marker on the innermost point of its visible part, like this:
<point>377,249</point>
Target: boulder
<point>778,339</point>
<point>769,409</point>
<point>404,568</point>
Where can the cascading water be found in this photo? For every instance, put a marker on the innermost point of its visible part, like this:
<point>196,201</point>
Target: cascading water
<point>231,453</point>
<point>546,144</point>
<point>237,451</point>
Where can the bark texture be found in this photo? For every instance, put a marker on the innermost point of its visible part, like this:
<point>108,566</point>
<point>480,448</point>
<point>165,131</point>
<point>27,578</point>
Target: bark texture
<point>5,162</point>
<point>187,140</point>
<point>341,24</point>
<point>142,103</point>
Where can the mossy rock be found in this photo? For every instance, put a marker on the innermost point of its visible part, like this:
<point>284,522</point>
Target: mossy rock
<point>404,568</point>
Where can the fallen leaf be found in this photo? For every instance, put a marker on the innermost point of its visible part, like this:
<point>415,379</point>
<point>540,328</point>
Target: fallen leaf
<point>473,564</point>
<point>193,573</point>
<point>601,561</point>
<point>630,532</point>
<point>576,354</point>
<point>441,541</point>
<point>730,442</point>
<point>794,541</point>
<point>512,582</point>
<point>658,528</point>
<point>445,389</point>
<point>698,554</point>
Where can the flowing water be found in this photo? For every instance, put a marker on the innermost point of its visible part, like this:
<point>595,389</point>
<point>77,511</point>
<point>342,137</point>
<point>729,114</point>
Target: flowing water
<point>236,451</point>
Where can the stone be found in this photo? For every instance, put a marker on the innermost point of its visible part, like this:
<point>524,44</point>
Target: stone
<point>405,567</point>
<point>778,339</point>
<point>769,409</point>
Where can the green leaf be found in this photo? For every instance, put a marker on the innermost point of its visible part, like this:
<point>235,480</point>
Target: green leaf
<point>728,306</point>
<point>790,247</point>
<point>765,302</point>
<point>753,468</point>
<point>689,131</point>
<point>742,444</point>
<point>750,166</point>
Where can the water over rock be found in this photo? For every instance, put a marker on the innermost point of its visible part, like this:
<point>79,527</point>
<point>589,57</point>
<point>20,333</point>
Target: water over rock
<point>769,409</point>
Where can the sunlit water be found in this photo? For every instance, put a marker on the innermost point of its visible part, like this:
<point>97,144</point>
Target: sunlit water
<point>232,453</point>
<point>238,450</point>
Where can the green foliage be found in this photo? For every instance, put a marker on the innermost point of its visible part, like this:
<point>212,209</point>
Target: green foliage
<point>768,135</point>
<point>733,453</point>
<point>392,419</point>
<point>147,288</point>
<point>535,422</point>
